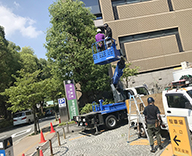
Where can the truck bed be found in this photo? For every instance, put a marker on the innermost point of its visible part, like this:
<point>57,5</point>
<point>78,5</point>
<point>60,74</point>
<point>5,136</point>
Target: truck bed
<point>109,108</point>
<point>89,114</point>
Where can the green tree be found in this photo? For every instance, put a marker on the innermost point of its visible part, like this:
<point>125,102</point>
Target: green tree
<point>28,61</point>
<point>9,64</point>
<point>54,90</point>
<point>26,92</point>
<point>69,41</point>
<point>45,66</point>
<point>128,72</point>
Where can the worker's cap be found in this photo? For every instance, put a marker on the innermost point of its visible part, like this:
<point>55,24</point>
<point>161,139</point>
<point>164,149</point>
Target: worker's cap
<point>150,100</point>
<point>105,25</point>
<point>98,30</point>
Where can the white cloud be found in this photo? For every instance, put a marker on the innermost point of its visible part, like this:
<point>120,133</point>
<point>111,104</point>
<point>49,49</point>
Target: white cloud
<point>16,4</point>
<point>13,23</point>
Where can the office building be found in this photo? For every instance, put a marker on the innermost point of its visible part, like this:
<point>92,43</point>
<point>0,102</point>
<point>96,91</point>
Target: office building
<point>155,35</point>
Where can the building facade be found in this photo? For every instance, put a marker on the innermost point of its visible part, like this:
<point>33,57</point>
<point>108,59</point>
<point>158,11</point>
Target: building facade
<point>155,35</point>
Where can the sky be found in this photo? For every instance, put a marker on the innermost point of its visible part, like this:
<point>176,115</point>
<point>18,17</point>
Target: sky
<point>25,23</point>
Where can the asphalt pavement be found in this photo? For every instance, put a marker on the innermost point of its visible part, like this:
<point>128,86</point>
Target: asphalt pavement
<point>20,131</point>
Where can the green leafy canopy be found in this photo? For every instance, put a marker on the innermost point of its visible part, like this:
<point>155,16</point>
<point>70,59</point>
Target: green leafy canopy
<point>69,41</point>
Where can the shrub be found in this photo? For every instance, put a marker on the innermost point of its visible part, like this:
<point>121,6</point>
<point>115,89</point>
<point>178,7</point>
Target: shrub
<point>6,123</point>
<point>64,123</point>
<point>86,109</point>
<point>107,101</point>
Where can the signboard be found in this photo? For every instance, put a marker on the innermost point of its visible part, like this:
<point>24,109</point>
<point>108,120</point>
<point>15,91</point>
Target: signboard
<point>6,147</point>
<point>62,102</point>
<point>6,143</point>
<point>180,136</point>
<point>63,112</point>
<point>70,91</point>
<point>2,152</point>
<point>72,105</point>
<point>71,98</point>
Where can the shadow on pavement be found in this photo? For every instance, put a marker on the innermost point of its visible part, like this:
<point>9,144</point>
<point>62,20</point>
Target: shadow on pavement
<point>48,129</point>
<point>102,129</point>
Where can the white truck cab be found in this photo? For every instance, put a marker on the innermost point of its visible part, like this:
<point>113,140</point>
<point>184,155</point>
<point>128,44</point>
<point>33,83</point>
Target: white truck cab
<point>178,102</point>
<point>139,90</point>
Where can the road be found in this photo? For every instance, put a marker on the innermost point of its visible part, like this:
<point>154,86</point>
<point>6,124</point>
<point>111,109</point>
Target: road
<point>21,131</point>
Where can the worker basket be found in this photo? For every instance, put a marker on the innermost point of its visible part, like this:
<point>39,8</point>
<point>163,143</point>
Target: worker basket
<point>105,52</point>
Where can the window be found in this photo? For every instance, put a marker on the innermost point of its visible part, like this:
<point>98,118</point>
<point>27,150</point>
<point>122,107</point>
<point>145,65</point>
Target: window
<point>94,7</point>
<point>127,92</point>
<point>17,115</point>
<point>190,93</point>
<point>28,113</point>
<point>140,36</point>
<point>142,90</point>
<point>118,2</point>
<point>122,2</point>
<point>170,5</point>
<point>176,101</point>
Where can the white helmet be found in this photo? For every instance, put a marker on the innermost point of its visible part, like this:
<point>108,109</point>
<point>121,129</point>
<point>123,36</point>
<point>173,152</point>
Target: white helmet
<point>98,30</point>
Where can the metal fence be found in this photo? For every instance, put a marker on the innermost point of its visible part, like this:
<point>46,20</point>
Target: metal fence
<point>47,146</point>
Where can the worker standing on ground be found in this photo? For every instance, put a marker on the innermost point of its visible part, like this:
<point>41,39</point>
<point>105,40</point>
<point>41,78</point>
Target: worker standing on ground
<point>108,35</point>
<point>152,116</point>
<point>100,37</point>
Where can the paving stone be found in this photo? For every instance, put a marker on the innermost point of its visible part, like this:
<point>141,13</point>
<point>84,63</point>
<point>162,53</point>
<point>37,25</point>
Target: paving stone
<point>108,143</point>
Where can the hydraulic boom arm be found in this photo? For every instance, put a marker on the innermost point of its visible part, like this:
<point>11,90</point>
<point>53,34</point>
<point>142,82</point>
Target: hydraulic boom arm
<point>116,86</point>
<point>118,71</point>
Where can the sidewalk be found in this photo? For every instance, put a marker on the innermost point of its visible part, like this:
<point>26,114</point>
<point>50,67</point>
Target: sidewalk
<point>107,143</point>
<point>29,144</point>
<point>79,143</point>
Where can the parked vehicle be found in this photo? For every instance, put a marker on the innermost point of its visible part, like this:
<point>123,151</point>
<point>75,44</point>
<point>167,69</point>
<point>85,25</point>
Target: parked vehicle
<point>107,115</point>
<point>49,112</point>
<point>178,102</point>
<point>138,90</point>
<point>23,117</point>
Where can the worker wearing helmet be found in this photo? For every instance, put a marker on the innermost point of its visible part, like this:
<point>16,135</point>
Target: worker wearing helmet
<point>108,35</point>
<point>152,115</point>
<point>99,38</point>
<point>108,31</point>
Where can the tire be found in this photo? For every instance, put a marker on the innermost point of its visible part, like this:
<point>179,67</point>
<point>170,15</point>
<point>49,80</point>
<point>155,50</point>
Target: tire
<point>142,133</point>
<point>111,122</point>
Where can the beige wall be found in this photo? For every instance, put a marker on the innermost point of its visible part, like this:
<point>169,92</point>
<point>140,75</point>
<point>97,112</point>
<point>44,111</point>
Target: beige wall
<point>149,16</point>
<point>142,9</point>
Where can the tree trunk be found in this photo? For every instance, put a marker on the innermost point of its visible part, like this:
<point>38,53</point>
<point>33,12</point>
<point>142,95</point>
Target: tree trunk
<point>55,110</point>
<point>5,110</point>
<point>127,82</point>
<point>35,122</point>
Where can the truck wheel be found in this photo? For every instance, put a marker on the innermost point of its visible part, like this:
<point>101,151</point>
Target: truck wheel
<point>111,122</point>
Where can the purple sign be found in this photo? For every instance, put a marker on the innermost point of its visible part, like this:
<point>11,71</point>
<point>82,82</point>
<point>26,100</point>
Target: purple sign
<point>70,91</point>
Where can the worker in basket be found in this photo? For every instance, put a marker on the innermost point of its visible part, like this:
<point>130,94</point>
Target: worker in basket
<point>108,35</point>
<point>100,39</point>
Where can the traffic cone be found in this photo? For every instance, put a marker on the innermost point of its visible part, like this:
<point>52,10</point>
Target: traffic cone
<point>52,129</point>
<point>42,138</point>
<point>41,153</point>
<point>23,154</point>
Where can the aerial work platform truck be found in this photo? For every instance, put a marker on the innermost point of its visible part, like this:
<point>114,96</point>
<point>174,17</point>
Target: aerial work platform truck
<point>109,114</point>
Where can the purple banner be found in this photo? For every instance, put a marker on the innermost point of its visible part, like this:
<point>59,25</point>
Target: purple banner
<point>70,91</point>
